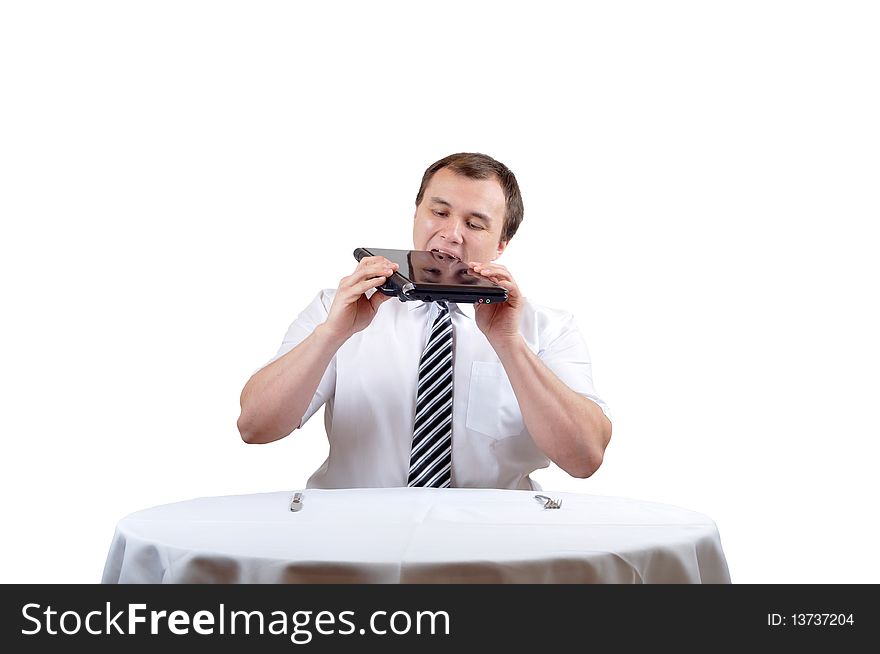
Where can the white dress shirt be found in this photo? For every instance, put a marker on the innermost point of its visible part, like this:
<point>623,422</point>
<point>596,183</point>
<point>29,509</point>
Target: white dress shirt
<point>369,390</point>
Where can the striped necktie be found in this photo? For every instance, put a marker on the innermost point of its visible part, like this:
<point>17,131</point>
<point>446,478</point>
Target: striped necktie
<point>431,458</point>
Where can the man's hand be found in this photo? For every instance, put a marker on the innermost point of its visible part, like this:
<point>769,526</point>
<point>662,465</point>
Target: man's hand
<point>499,322</point>
<point>351,310</point>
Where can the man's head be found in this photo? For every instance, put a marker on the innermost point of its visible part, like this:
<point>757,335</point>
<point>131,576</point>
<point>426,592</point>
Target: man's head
<point>468,205</point>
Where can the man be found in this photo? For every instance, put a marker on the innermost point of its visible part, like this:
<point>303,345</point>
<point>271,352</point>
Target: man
<point>430,394</point>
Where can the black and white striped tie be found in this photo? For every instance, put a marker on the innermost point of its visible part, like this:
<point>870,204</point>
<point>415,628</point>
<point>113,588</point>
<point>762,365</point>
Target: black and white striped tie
<point>430,463</point>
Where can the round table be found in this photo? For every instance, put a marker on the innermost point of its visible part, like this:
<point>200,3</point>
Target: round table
<point>415,535</point>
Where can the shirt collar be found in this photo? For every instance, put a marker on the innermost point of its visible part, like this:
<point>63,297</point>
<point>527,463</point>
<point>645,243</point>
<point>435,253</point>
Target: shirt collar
<point>464,308</point>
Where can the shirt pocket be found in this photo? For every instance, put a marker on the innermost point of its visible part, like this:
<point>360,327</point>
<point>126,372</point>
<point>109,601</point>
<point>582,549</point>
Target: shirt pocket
<point>492,407</point>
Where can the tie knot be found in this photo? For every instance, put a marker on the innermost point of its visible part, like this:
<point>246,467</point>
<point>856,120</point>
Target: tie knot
<point>443,306</point>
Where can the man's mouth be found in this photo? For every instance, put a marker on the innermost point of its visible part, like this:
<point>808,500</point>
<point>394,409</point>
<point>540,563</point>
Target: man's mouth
<point>447,253</point>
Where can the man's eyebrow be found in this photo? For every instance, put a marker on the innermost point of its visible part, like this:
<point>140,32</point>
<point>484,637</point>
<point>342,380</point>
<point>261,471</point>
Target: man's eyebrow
<point>475,214</point>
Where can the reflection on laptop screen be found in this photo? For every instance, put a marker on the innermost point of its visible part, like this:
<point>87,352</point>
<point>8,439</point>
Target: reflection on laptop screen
<point>439,268</point>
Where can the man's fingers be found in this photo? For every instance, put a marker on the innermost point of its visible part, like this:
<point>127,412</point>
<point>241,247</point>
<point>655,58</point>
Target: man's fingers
<point>374,264</point>
<point>380,267</point>
<point>499,275</point>
<point>491,270</point>
<point>495,275</point>
<point>359,289</point>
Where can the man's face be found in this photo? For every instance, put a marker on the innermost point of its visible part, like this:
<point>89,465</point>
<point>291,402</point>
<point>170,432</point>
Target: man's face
<point>461,216</point>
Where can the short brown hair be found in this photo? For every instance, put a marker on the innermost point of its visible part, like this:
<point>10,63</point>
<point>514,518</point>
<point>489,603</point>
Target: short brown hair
<point>481,166</point>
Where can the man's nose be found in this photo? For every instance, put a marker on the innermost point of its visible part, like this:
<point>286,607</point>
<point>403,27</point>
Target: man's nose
<point>453,231</point>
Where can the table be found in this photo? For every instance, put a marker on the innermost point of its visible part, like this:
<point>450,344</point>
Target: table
<point>415,535</point>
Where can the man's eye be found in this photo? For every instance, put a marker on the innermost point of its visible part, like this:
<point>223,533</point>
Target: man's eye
<point>475,226</point>
<point>439,213</point>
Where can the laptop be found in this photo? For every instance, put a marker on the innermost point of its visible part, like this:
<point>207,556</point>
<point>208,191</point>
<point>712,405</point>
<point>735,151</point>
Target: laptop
<point>433,276</point>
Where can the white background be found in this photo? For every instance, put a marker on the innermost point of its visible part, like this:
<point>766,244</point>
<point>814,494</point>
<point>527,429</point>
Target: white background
<point>179,179</point>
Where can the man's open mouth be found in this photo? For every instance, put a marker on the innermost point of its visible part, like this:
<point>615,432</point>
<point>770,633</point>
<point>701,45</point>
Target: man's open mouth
<point>448,254</point>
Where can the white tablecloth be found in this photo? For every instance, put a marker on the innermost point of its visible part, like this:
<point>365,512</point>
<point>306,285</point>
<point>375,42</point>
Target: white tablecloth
<point>410,535</point>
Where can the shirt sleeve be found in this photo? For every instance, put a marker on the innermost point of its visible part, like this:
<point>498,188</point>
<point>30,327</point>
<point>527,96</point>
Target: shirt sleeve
<point>565,353</point>
<point>312,316</point>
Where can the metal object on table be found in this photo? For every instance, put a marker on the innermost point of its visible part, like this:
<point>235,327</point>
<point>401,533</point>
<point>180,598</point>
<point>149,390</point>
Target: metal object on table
<point>296,503</point>
<point>549,503</point>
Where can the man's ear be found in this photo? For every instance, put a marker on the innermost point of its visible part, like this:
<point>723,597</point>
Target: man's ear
<point>502,245</point>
